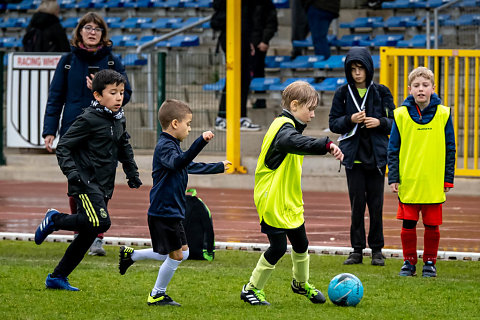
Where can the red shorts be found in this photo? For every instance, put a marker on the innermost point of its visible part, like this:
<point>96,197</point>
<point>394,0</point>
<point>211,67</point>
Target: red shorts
<point>431,213</point>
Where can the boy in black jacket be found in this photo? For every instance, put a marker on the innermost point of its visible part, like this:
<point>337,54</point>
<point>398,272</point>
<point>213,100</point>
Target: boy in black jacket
<point>362,112</point>
<point>88,154</point>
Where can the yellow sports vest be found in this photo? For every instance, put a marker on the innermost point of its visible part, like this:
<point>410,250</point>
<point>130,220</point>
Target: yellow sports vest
<point>422,157</point>
<point>278,193</point>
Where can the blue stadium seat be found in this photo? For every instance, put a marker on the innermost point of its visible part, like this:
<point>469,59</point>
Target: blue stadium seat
<point>333,62</point>
<point>352,40</point>
<point>24,5</point>
<point>262,84</point>
<point>168,4</point>
<point>329,84</point>
<point>135,22</point>
<point>422,21</point>
<point>376,61</point>
<point>10,42</point>
<point>274,61</point>
<point>282,86</point>
<point>132,59</point>
<point>115,3</point>
<point>186,22</point>
<point>112,20</point>
<point>119,40</point>
<point>435,3</point>
<point>64,4</point>
<point>418,41</point>
<point>307,43</point>
<point>199,4</point>
<point>217,86</point>
<point>301,62</point>
<point>142,40</point>
<point>402,4</point>
<point>70,22</point>
<point>163,23</point>
<point>139,4</point>
<point>281,4</point>
<point>385,40</point>
<point>469,19</point>
<point>180,41</point>
<point>468,3</point>
<point>15,23</point>
<point>397,22</point>
<point>362,22</point>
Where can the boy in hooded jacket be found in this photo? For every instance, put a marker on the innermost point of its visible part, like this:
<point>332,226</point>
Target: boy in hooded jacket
<point>362,112</point>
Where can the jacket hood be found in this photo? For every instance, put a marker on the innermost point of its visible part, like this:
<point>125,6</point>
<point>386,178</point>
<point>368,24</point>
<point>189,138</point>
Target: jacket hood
<point>363,56</point>
<point>410,101</point>
<point>42,20</point>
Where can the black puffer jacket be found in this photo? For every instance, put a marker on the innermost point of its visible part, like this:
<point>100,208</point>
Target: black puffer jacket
<point>265,22</point>
<point>54,38</point>
<point>92,146</point>
<point>367,145</point>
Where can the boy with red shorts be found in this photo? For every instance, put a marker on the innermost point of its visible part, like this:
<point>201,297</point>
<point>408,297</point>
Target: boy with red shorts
<point>421,162</point>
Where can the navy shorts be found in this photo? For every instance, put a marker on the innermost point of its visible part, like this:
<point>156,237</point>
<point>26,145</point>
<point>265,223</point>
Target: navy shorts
<point>167,235</point>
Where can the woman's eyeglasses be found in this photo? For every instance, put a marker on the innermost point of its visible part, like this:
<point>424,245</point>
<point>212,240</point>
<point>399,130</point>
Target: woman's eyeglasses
<point>90,29</point>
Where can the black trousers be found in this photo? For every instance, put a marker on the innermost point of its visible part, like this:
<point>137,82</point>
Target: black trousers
<point>366,188</point>
<point>278,243</point>
<point>91,219</point>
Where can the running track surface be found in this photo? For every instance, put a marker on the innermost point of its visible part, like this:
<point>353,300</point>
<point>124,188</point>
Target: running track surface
<point>327,215</point>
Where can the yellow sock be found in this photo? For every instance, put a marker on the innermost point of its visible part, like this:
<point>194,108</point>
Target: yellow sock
<point>260,274</point>
<point>301,266</point>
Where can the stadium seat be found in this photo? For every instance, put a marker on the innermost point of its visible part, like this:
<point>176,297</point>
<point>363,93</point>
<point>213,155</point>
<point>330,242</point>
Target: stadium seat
<point>112,20</point>
<point>385,40</point>
<point>9,42</point>
<point>469,19</point>
<point>281,4</point>
<point>333,62</point>
<point>139,4</point>
<point>180,41</point>
<point>352,40</point>
<point>274,61</point>
<point>418,41</point>
<point>24,5</point>
<point>329,84</point>
<point>119,40</point>
<point>15,23</point>
<point>262,84</point>
<point>135,22</point>
<point>397,22</point>
<point>115,3</point>
<point>168,4</point>
<point>422,21</point>
<point>199,4</point>
<point>163,23</point>
<point>70,22</point>
<point>307,43</point>
<point>142,40</point>
<point>282,86</point>
<point>186,22</point>
<point>301,62</point>
<point>217,86</point>
<point>132,59</point>
<point>362,22</point>
<point>402,4</point>
<point>376,61</point>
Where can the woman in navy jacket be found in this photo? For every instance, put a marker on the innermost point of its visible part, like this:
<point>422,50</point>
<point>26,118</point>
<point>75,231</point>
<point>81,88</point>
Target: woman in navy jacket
<point>71,88</point>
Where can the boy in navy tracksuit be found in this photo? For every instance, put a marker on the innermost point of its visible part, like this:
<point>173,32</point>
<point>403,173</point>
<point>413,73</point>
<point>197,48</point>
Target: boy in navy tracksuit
<point>88,154</point>
<point>171,167</point>
<point>362,112</point>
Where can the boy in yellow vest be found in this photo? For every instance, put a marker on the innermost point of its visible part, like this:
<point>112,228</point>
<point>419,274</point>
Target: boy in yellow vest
<point>421,162</point>
<point>278,193</point>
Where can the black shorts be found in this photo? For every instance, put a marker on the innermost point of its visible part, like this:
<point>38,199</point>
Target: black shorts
<point>167,235</point>
<point>94,206</point>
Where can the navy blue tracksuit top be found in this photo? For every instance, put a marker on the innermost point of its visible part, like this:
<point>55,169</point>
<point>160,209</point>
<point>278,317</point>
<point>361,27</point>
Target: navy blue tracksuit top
<point>171,167</point>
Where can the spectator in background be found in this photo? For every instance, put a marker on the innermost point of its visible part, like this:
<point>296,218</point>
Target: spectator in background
<point>265,25</point>
<point>71,88</point>
<point>300,28</point>
<point>219,23</point>
<point>320,14</point>
<point>45,33</point>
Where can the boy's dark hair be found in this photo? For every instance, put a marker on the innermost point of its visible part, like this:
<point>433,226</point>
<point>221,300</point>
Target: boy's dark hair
<point>172,109</point>
<point>105,77</point>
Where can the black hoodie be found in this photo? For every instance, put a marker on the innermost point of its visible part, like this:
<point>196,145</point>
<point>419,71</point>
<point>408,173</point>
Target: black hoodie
<point>369,146</point>
<point>54,38</point>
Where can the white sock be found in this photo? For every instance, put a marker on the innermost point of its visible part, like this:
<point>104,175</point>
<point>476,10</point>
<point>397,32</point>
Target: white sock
<point>185,254</point>
<point>144,254</point>
<point>165,274</point>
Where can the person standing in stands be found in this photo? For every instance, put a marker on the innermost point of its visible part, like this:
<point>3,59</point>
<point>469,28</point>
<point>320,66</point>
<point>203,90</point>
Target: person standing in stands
<point>219,23</point>
<point>265,25</point>
<point>71,88</point>
<point>45,33</point>
<point>362,111</point>
<point>300,29</point>
<point>320,14</point>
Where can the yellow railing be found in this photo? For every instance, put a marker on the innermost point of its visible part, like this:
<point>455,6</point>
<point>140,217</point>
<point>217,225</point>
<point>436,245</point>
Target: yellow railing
<point>457,84</point>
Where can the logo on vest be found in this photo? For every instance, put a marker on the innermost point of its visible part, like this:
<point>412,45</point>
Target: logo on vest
<point>103,213</point>
<point>424,129</point>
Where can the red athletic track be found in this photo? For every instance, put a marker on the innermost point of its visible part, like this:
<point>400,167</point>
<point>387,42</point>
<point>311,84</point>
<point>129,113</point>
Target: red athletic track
<point>327,215</point>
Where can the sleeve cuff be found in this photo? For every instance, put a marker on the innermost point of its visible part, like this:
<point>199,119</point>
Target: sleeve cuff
<point>447,185</point>
<point>328,145</point>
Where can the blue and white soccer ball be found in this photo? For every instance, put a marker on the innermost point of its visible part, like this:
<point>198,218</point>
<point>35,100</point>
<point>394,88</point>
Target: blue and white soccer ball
<point>345,290</point>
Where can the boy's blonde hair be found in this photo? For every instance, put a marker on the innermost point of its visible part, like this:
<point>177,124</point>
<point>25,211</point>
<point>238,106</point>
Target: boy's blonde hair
<point>421,72</point>
<point>301,91</point>
<point>172,109</point>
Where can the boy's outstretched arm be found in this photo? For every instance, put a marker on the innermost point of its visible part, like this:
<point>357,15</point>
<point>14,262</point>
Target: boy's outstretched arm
<point>336,152</point>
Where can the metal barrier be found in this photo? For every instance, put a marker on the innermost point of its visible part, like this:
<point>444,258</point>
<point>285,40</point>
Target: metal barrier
<point>457,74</point>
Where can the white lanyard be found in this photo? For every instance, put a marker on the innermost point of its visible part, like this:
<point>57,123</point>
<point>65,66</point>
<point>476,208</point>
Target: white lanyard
<point>362,107</point>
